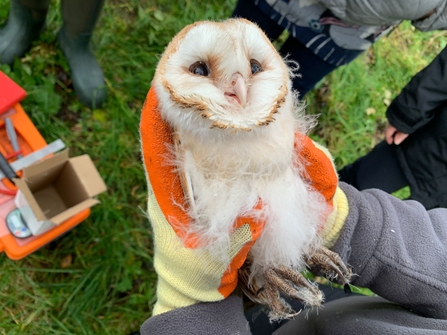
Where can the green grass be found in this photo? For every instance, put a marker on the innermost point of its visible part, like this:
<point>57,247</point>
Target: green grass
<point>98,279</point>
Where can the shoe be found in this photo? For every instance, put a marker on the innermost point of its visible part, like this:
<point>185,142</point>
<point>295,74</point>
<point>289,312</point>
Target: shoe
<point>80,17</point>
<point>23,27</point>
<point>86,74</point>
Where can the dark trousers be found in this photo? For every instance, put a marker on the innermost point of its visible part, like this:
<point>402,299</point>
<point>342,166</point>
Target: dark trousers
<point>377,169</point>
<point>362,315</point>
<point>259,322</point>
<point>311,67</point>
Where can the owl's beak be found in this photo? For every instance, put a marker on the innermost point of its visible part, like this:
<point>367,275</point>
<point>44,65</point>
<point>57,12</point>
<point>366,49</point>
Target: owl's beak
<point>239,89</point>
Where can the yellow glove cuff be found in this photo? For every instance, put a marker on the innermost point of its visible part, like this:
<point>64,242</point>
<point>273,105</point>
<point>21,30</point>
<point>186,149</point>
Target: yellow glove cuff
<point>336,219</point>
<point>187,276</point>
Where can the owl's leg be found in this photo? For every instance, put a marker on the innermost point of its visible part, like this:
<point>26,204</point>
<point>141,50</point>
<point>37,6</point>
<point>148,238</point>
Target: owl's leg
<point>265,290</point>
<point>291,284</point>
<point>328,264</point>
<point>279,308</point>
<point>301,289</point>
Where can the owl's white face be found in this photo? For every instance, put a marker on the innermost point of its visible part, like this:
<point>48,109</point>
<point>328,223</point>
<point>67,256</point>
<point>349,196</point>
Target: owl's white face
<point>223,76</point>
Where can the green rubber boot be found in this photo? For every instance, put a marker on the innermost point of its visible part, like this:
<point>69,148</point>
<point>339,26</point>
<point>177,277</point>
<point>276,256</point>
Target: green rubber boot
<point>26,21</point>
<point>80,17</point>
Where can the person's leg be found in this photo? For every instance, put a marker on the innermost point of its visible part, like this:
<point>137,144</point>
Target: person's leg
<point>258,319</point>
<point>357,315</point>
<point>26,20</point>
<point>80,17</point>
<point>248,10</point>
<point>377,169</point>
<point>311,67</point>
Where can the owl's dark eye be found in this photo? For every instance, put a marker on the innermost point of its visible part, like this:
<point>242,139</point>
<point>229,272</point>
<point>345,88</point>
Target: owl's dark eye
<point>199,68</point>
<point>255,66</point>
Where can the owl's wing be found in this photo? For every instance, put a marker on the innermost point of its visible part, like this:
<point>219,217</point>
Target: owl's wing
<point>185,178</point>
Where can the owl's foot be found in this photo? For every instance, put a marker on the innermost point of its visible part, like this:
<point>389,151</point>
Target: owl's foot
<point>276,281</point>
<point>273,282</point>
<point>291,284</point>
<point>328,264</point>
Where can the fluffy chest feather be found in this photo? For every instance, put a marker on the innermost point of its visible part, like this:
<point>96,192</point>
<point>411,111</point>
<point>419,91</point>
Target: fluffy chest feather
<point>226,179</point>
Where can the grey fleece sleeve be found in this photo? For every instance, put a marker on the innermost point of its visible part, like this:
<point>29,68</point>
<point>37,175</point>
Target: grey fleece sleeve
<point>224,317</point>
<point>386,12</point>
<point>436,21</point>
<point>397,249</point>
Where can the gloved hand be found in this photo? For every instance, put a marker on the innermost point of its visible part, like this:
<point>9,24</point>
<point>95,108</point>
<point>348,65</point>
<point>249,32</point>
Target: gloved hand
<point>186,273</point>
<point>322,176</point>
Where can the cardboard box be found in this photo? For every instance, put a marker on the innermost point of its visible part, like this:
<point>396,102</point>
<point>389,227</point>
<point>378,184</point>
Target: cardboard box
<point>55,189</point>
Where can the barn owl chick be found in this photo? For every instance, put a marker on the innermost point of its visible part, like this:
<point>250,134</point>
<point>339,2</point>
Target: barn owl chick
<point>226,94</point>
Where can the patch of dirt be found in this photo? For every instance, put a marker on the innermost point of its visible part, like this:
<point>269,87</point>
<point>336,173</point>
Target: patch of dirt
<point>64,79</point>
<point>67,116</point>
<point>379,134</point>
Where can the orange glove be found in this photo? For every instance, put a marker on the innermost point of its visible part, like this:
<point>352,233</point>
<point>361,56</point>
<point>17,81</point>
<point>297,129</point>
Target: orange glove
<point>322,176</point>
<point>186,273</point>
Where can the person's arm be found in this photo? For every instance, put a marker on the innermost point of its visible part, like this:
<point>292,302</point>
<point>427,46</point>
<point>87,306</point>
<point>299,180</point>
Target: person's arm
<point>436,19</point>
<point>193,284</point>
<point>427,90</point>
<point>425,15</point>
<point>223,317</point>
<point>397,249</point>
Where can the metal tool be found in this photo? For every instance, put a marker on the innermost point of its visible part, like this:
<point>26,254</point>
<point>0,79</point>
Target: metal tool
<point>12,136</point>
<point>6,168</point>
<point>35,156</point>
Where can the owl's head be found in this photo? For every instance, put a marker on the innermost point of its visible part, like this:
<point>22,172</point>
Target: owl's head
<point>223,76</point>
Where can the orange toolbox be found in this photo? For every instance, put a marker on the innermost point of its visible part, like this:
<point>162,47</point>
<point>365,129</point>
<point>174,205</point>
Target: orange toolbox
<point>15,240</point>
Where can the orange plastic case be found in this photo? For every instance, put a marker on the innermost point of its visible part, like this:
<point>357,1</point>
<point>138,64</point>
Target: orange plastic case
<point>10,93</point>
<point>29,140</point>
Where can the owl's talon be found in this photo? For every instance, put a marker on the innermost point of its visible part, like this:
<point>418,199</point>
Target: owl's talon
<point>328,264</point>
<point>293,284</point>
<point>280,280</point>
<point>301,288</point>
<point>295,277</point>
<point>279,309</point>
